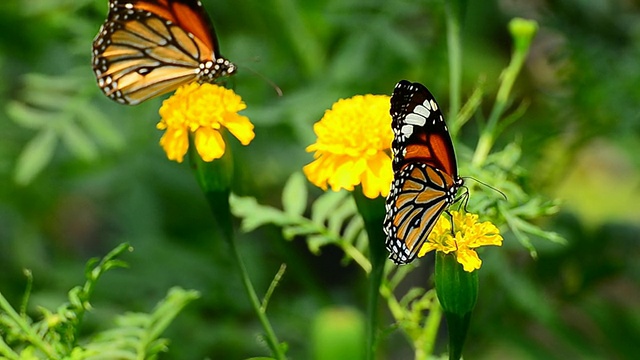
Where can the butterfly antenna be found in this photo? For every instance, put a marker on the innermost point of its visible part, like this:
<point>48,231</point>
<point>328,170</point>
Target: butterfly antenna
<point>266,79</point>
<point>487,185</point>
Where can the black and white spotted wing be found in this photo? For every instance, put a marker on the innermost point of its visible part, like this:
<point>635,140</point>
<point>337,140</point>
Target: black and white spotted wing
<point>425,172</point>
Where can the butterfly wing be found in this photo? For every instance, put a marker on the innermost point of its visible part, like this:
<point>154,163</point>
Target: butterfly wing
<point>187,14</point>
<point>420,133</point>
<point>147,48</point>
<point>425,171</point>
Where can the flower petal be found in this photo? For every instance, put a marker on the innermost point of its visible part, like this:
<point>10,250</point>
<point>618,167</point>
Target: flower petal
<point>175,143</point>
<point>469,234</point>
<point>209,144</point>
<point>469,259</point>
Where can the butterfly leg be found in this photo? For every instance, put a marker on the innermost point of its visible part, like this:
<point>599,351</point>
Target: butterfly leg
<point>463,199</point>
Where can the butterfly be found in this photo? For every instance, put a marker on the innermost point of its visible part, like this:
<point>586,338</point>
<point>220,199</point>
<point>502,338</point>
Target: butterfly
<point>426,177</point>
<point>147,48</point>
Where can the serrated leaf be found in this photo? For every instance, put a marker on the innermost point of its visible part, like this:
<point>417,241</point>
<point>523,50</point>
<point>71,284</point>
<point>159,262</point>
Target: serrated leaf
<point>36,155</point>
<point>78,142</point>
<point>294,194</point>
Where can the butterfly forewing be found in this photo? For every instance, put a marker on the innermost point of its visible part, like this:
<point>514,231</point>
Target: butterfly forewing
<point>147,48</point>
<point>419,128</point>
<point>425,172</point>
<point>189,15</point>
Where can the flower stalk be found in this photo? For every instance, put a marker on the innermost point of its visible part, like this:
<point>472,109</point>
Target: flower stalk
<point>215,180</point>
<point>523,31</point>
<point>373,212</point>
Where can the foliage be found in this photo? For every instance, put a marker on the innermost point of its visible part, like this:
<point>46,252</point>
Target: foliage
<point>91,174</point>
<point>57,334</point>
<point>333,221</point>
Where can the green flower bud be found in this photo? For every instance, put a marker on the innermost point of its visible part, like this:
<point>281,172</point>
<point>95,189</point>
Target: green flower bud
<point>523,31</point>
<point>457,292</point>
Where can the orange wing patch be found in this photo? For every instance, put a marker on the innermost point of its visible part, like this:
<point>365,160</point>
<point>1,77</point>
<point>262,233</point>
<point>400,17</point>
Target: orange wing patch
<point>184,16</point>
<point>442,152</point>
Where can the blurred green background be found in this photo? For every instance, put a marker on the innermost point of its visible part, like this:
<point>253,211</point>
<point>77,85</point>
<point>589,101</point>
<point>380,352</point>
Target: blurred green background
<point>99,177</point>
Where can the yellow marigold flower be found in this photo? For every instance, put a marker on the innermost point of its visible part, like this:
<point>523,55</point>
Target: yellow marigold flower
<point>469,234</point>
<point>202,110</point>
<point>352,147</point>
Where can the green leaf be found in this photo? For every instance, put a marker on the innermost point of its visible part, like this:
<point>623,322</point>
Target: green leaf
<point>100,127</point>
<point>35,156</point>
<point>326,204</point>
<point>78,142</point>
<point>289,232</point>
<point>254,215</point>
<point>294,194</point>
<point>342,213</point>
<point>315,242</point>
<point>29,117</point>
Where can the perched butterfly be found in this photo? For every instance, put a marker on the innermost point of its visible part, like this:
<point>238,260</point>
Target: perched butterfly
<point>425,172</point>
<point>147,48</point>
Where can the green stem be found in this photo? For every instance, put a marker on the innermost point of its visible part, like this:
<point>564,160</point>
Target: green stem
<point>431,326</point>
<point>29,333</point>
<point>356,255</point>
<point>523,32</point>
<point>270,335</point>
<point>454,14</point>
<point>373,212</point>
<point>373,294</point>
<point>7,352</point>
<point>215,178</point>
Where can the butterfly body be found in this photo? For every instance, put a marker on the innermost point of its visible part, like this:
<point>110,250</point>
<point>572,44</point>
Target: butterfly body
<point>426,177</point>
<point>147,48</point>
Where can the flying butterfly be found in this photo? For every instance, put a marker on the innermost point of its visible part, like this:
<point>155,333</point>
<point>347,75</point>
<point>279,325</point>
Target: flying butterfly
<point>425,171</point>
<point>147,48</point>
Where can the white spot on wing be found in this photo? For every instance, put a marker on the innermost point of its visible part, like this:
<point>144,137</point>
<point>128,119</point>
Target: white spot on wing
<point>414,119</point>
<point>422,110</point>
<point>407,130</point>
